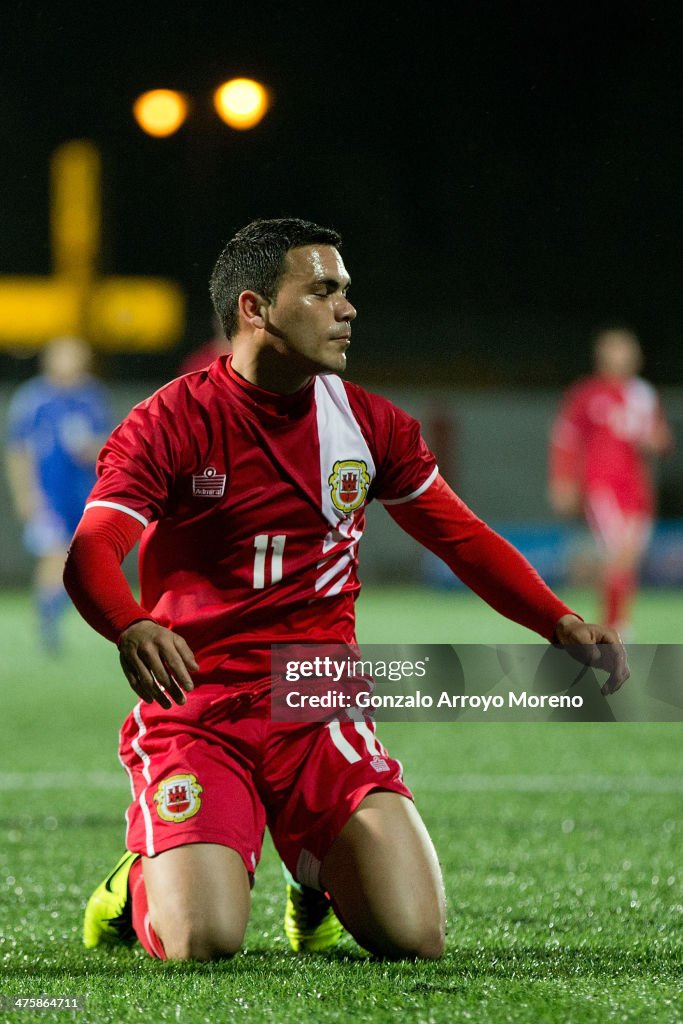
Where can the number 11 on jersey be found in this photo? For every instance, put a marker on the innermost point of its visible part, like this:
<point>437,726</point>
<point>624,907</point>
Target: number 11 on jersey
<point>268,549</point>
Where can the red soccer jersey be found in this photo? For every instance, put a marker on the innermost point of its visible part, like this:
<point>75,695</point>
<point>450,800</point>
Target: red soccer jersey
<point>598,436</point>
<point>256,505</point>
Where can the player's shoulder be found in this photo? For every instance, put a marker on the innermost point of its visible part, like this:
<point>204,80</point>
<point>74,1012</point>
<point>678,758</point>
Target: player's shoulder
<point>95,386</point>
<point>642,392</point>
<point>92,393</point>
<point>178,397</point>
<point>643,387</point>
<point>586,383</point>
<point>34,386</point>
<point>372,403</point>
<point>583,389</point>
<point>383,423</point>
<point>30,395</point>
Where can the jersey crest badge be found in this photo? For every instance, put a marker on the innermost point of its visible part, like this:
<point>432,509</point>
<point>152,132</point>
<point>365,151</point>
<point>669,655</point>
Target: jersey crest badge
<point>349,482</point>
<point>177,797</point>
<point>209,484</point>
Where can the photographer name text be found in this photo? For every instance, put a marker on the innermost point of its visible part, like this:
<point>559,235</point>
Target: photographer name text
<point>364,700</point>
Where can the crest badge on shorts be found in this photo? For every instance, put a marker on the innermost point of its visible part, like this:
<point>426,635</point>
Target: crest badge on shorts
<point>349,482</point>
<point>177,798</point>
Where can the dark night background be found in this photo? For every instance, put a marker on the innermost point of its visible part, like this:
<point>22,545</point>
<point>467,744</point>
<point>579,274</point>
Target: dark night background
<point>506,176</point>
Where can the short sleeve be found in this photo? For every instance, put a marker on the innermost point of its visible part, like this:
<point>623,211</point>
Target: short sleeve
<point>568,435</point>
<point>138,465</point>
<point>406,467</point>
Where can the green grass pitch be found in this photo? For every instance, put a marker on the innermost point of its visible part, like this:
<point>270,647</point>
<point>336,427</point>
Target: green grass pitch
<point>560,844</point>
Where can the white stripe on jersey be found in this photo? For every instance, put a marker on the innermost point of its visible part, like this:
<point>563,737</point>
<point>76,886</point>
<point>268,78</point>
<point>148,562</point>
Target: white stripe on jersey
<point>413,494</point>
<point>120,508</point>
<point>339,436</point>
<point>640,409</point>
<point>337,587</point>
<point>334,569</point>
<point>338,550</point>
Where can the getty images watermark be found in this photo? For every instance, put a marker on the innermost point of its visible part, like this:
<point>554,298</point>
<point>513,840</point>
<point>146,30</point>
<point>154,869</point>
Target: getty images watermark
<point>470,682</point>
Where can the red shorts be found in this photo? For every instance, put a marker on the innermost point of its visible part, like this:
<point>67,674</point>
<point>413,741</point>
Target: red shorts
<point>218,770</point>
<point>615,523</point>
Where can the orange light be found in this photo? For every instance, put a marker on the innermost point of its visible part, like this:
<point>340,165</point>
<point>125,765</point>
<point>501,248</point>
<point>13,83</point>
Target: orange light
<point>160,112</point>
<point>241,102</point>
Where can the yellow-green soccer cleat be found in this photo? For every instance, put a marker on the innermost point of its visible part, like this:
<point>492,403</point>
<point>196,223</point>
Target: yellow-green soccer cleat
<point>108,914</point>
<point>311,924</point>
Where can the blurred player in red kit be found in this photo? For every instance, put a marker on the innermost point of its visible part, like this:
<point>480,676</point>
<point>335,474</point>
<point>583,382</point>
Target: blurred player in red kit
<point>247,484</point>
<point>609,427</point>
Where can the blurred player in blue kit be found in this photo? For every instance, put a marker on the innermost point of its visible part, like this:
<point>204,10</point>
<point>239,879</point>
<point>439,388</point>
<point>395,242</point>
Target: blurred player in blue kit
<point>58,421</point>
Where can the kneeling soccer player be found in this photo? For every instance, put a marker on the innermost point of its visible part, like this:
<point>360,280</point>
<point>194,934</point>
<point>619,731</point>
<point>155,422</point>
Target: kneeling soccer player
<point>247,484</point>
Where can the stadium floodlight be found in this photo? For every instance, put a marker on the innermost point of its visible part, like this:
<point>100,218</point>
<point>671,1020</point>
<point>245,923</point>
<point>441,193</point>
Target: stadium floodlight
<point>160,112</point>
<point>241,102</point>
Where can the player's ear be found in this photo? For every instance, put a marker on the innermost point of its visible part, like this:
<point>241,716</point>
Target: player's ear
<point>253,307</point>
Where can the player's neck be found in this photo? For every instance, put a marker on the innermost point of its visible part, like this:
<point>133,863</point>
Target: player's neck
<point>615,379</point>
<point>268,369</point>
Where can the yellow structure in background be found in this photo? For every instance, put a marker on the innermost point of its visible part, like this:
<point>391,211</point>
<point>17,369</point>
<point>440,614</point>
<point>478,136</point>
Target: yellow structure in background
<point>161,112</point>
<point>119,314</point>
<point>75,219</point>
<point>241,102</point>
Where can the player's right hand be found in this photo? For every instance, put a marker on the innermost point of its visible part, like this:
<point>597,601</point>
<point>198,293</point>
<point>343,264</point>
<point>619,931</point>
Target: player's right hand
<point>565,497</point>
<point>156,663</point>
<point>595,645</point>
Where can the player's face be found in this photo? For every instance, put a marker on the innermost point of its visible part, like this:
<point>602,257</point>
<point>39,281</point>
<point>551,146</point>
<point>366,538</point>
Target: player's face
<point>66,360</point>
<point>311,314</point>
<point>618,354</point>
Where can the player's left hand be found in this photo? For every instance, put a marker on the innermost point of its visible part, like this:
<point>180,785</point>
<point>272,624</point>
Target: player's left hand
<point>596,646</point>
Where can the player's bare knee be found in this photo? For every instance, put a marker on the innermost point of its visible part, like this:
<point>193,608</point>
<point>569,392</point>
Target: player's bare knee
<point>432,943</point>
<point>421,942</point>
<point>193,935</point>
<point>189,941</point>
<point>410,934</point>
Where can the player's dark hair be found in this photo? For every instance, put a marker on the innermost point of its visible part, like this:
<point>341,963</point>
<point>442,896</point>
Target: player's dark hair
<point>254,260</point>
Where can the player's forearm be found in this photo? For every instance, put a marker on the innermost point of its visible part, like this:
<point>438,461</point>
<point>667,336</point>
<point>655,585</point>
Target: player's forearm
<point>22,484</point>
<point>487,563</point>
<point>496,571</point>
<point>93,576</point>
<point>567,445</point>
<point>564,464</point>
<point>564,496</point>
<point>662,441</point>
